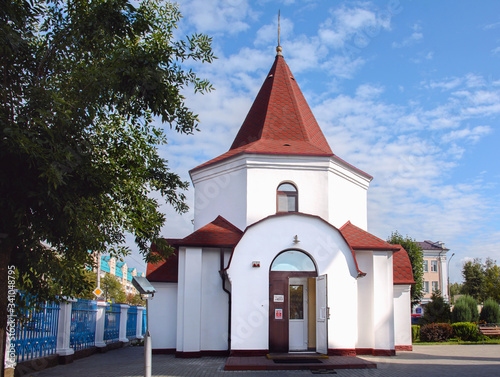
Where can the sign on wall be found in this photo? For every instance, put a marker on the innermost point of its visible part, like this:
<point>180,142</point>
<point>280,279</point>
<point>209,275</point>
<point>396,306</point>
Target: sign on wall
<point>278,313</point>
<point>279,298</point>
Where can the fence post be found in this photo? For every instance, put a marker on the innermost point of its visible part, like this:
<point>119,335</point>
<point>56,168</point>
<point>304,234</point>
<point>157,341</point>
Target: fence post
<point>64,328</point>
<point>138,332</point>
<point>122,337</point>
<point>100,320</point>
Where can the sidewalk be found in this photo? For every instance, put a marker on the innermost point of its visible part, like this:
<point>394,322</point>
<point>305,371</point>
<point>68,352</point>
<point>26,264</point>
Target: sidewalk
<point>425,361</point>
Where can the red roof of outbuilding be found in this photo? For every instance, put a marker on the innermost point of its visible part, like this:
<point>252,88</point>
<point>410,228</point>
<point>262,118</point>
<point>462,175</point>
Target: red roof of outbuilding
<point>279,121</point>
<point>165,271</point>
<point>402,270</point>
<point>360,239</point>
<point>219,233</point>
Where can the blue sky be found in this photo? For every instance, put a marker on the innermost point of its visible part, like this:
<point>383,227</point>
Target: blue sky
<point>408,91</point>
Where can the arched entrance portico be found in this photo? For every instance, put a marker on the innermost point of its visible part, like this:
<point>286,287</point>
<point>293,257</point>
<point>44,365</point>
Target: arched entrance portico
<point>297,304</point>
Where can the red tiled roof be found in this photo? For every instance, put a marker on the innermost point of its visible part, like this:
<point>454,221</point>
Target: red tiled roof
<point>360,239</point>
<point>279,121</point>
<point>166,271</point>
<point>219,233</point>
<point>402,271</point>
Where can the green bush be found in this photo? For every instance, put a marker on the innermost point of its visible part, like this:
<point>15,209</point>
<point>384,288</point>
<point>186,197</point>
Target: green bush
<point>490,312</point>
<point>466,331</point>
<point>436,332</point>
<point>472,304</point>
<point>437,310</point>
<point>415,332</point>
<point>461,312</point>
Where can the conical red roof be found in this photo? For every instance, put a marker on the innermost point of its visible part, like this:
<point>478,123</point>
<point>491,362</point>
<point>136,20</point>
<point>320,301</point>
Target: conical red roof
<point>279,121</point>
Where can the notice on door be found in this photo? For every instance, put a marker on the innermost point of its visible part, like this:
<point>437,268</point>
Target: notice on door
<point>278,313</point>
<point>279,298</point>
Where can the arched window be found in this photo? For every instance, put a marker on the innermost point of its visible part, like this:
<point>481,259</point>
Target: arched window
<point>293,260</point>
<point>287,198</point>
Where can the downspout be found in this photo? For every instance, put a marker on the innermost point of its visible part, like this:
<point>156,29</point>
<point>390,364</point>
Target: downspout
<point>223,275</point>
<point>440,274</point>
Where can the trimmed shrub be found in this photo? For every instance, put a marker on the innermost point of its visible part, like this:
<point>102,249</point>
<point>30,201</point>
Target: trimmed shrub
<point>461,312</point>
<point>472,304</point>
<point>415,332</point>
<point>490,312</point>
<point>466,331</point>
<point>436,332</point>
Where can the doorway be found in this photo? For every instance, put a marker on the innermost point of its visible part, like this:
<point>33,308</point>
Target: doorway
<point>297,305</point>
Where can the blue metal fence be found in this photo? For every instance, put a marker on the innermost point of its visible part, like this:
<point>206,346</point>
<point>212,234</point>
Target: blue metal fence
<point>112,323</point>
<point>36,332</point>
<point>131,322</point>
<point>144,324</point>
<point>83,322</point>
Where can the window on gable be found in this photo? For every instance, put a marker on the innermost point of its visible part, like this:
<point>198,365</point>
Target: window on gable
<point>287,198</point>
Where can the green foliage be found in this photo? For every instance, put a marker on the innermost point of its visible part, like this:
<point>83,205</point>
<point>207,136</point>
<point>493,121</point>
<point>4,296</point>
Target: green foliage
<point>415,333</point>
<point>455,289</point>
<point>490,312</point>
<point>474,279</point>
<point>472,304</point>
<point>85,85</point>
<point>436,332</point>
<point>461,312</point>
<point>113,289</point>
<point>437,310</point>
<point>417,262</point>
<point>135,300</point>
<point>466,331</point>
<point>492,279</point>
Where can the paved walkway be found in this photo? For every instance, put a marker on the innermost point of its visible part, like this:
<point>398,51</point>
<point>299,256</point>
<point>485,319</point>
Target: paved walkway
<point>425,361</point>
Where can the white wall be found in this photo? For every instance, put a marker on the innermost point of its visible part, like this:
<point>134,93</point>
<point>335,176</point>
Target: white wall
<point>214,304</point>
<point>250,286</point>
<point>383,300</point>
<point>348,196</point>
<point>220,190</point>
<point>163,316</point>
<point>402,315</point>
<point>243,189</point>
<point>308,174</point>
<point>366,338</point>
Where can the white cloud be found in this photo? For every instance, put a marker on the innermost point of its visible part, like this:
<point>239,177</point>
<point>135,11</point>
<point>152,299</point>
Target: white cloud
<point>415,37</point>
<point>230,16</point>
<point>354,25</point>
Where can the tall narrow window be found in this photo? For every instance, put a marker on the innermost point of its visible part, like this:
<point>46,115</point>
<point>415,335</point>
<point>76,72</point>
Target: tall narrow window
<point>287,197</point>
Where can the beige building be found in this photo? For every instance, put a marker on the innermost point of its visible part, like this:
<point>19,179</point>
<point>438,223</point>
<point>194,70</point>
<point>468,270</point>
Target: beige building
<point>435,269</point>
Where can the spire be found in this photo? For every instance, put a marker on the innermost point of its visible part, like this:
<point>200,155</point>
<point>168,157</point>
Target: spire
<point>279,49</point>
<point>279,122</point>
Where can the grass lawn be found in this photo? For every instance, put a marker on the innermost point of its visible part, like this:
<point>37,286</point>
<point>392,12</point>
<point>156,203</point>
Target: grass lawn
<point>457,341</point>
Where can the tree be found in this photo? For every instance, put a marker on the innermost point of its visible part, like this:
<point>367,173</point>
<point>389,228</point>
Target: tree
<point>455,289</point>
<point>85,87</point>
<point>437,310</point>
<point>474,279</point>
<point>490,312</point>
<point>472,314</point>
<point>113,289</point>
<point>417,263</point>
<point>135,300</point>
<point>492,279</point>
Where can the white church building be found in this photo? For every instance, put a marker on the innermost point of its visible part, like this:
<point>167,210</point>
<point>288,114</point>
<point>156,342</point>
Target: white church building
<point>280,259</point>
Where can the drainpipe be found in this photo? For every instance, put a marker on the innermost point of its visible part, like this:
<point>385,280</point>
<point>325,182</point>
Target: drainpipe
<point>223,275</point>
